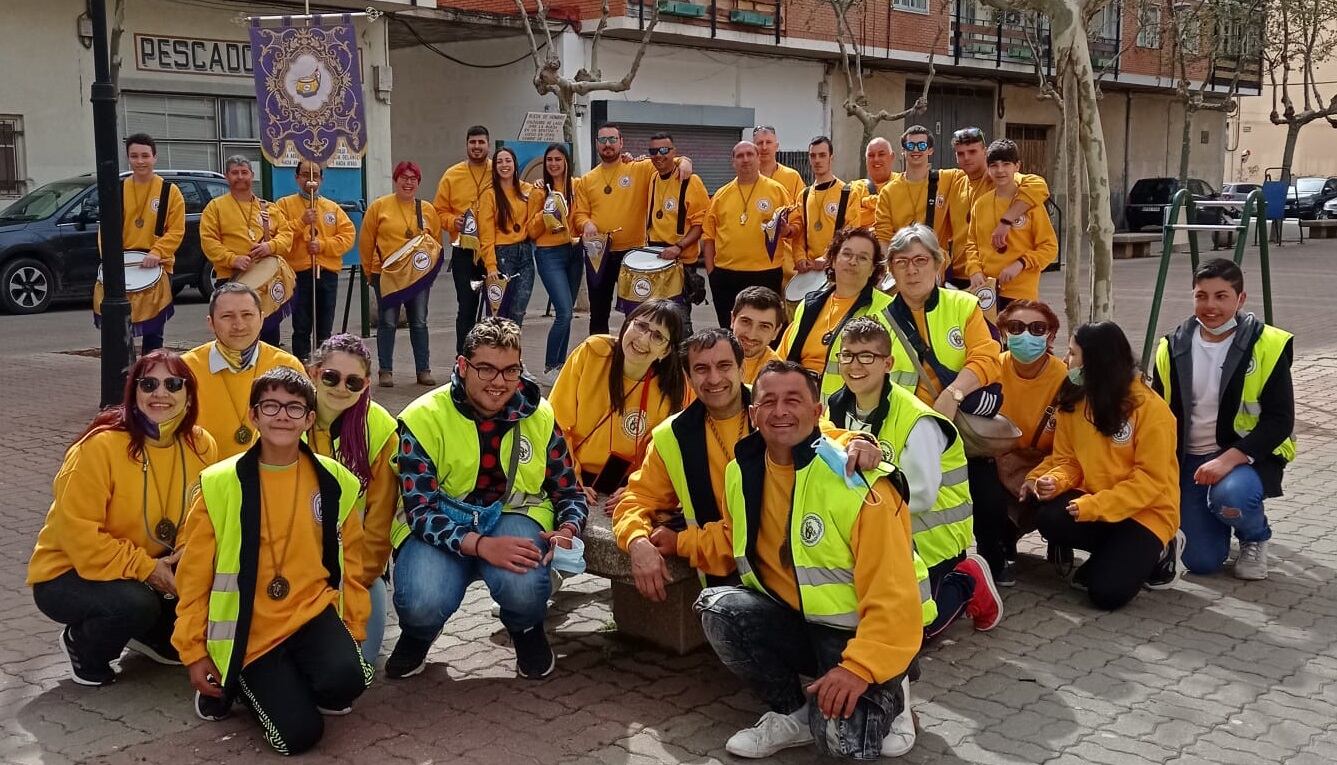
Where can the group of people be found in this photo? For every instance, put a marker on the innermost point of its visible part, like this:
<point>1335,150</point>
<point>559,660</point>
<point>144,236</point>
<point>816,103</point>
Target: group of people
<point>826,475</point>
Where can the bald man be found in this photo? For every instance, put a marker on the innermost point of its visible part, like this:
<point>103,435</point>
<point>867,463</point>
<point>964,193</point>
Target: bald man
<point>879,158</point>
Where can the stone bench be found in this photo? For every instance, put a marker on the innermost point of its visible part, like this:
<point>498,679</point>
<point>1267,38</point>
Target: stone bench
<point>1133,244</point>
<point>671,625</point>
<point>1320,229</point>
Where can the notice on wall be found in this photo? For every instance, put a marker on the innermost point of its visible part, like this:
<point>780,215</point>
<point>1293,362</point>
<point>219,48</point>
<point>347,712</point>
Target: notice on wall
<point>543,126</point>
<point>193,55</point>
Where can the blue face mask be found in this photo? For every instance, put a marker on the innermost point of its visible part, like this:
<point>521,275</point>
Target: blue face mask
<point>1076,377</point>
<point>1026,347</point>
<point>570,561</point>
<point>835,458</point>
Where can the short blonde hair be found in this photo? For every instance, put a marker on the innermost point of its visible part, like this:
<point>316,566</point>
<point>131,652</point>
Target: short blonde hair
<point>494,332</point>
<point>916,233</point>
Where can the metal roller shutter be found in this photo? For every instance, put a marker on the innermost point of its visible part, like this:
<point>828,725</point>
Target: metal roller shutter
<point>709,147</point>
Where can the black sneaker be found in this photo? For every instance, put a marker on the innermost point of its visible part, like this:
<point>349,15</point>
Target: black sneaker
<point>1061,559</point>
<point>82,671</point>
<point>1170,568</point>
<point>409,657</point>
<point>211,708</point>
<point>1078,579</point>
<point>534,658</point>
<point>162,653</point>
<point>1004,575</point>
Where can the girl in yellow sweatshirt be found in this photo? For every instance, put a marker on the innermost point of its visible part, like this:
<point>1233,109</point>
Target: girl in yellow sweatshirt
<point>105,558</point>
<point>1111,485</point>
<point>504,212</point>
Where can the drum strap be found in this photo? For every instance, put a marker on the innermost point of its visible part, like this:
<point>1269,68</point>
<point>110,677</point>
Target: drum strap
<point>161,224</point>
<point>931,207</point>
<point>840,212</point>
<point>682,206</point>
<point>417,208</point>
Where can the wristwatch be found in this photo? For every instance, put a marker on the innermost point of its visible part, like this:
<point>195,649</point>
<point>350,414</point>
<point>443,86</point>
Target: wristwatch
<point>957,395</point>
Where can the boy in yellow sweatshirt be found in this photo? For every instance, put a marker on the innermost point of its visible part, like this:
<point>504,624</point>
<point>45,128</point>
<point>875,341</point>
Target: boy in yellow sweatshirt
<point>271,605</point>
<point>1031,244</point>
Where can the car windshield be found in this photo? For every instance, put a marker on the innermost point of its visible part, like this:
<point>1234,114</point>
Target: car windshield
<point>1309,185</point>
<point>1153,190</point>
<point>43,202</point>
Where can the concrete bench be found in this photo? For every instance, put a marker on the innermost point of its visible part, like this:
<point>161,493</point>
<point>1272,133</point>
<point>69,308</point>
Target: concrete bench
<point>1134,244</point>
<point>671,625</point>
<point>1320,229</point>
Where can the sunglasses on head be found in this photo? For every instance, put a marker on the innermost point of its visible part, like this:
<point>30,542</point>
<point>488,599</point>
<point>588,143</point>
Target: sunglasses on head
<point>968,134</point>
<point>915,145</point>
<point>331,378</point>
<point>150,384</point>
<point>660,151</point>
<point>1037,328</point>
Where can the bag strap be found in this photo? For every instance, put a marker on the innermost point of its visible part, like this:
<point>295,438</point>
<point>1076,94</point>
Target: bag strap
<point>161,224</point>
<point>513,461</point>
<point>1044,421</point>
<point>803,205</point>
<point>931,205</point>
<point>840,212</point>
<point>913,351</point>
<point>417,208</point>
<point>682,206</point>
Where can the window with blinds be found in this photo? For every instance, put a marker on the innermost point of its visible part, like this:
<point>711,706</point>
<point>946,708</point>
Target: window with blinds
<point>193,132</point>
<point>12,180</point>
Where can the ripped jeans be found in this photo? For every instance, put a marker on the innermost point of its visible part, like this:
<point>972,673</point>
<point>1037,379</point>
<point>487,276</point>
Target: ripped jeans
<point>769,646</point>
<point>1208,514</point>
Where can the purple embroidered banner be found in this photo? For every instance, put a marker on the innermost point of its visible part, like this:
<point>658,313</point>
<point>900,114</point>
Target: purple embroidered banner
<point>308,84</point>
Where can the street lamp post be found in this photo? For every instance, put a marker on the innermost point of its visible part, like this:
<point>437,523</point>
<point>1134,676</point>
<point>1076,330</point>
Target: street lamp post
<point>116,338</point>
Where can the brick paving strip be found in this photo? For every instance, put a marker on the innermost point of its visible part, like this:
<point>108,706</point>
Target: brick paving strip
<point>1214,671</point>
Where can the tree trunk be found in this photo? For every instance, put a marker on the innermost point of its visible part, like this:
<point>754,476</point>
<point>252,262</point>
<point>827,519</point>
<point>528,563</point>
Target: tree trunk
<point>1072,244</point>
<point>1287,157</point>
<point>1185,146</point>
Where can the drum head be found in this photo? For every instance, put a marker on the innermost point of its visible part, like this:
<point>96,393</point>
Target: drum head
<point>137,278</point>
<point>646,259</point>
<point>802,284</point>
<point>258,276</point>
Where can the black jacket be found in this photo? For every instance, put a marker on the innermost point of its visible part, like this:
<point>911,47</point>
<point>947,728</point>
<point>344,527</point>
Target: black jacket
<point>1276,423</point>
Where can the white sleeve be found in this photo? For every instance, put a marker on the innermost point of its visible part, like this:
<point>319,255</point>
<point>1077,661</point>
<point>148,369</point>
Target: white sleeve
<point>922,463</point>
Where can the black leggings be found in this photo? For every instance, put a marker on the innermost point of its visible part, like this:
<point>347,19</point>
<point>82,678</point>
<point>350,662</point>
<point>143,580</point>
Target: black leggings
<point>1123,554</point>
<point>319,665</point>
<point>995,534</point>
<point>104,616</point>
<point>601,294</point>
<point>464,270</point>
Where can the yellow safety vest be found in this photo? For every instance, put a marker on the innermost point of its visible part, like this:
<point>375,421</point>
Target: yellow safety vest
<point>221,486</point>
<point>945,315</point>
<point>381,427</point>
<point>873,303</point>
<point>818,542</point>
<point>451,441</point>
<point>1262,362</point>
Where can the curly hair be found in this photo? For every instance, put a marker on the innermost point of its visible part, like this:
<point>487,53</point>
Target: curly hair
<point>855,232</point>
<point>493,332</point>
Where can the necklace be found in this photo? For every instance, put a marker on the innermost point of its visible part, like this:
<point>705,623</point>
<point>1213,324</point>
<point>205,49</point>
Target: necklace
<point>278,587</point>
<point>725,449</point>
<point>742,219</point>
<point>138,205</point>
<point>608,184</point>
<point>829,321</point>
<point>247,215</point>
<point>657,206</point>
<point>478,180</point>
<point>408,228</point>
<point>821,208</point>
<point>242,435</point>
<point>164,533</point>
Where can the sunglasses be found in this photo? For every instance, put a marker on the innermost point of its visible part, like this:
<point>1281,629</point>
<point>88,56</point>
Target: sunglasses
<point>969,134</point>
<point>150,384</point>
<point>608,140</point>
<point>1037,328</point>
<point>331,378</point>
<point>660,151</point>
<point>915,145</point>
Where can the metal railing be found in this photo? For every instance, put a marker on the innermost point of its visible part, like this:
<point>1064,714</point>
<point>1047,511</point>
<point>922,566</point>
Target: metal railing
<point>980,34</point>
<point>753,15</point>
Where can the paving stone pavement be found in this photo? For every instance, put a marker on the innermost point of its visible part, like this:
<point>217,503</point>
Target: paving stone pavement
<point>1213,671</point>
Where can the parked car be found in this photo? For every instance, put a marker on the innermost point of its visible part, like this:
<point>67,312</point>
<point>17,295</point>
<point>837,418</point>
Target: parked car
<point>1238,191</point>
<point>1307,196</point>
<point>1149,198</point>
<point>49,241</point>
<point>1329,211</point>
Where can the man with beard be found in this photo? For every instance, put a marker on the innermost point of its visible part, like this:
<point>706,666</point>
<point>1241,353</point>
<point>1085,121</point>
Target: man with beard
<point>457,193</point>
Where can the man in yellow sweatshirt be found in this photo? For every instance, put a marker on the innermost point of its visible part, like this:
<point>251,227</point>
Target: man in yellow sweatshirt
<point>878,158</point>
<point>828,582</point>
<point>271,605</point>
<point>1030,243</point>
<point>822,209</point>
<point>457,193</point>
<point>767,142</point>
<point>677,211</point>
<point>321,233</point>
<point>225,367</point>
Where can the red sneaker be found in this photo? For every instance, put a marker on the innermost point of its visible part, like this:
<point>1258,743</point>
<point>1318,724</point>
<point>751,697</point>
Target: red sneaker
<point>985,606</point>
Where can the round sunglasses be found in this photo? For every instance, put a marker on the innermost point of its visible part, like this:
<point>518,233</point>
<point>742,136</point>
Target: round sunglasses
<point>150,384</point>
<point>331,378</point>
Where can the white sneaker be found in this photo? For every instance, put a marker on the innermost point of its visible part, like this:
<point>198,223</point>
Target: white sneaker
<point>773,732</point>
<point>901,738</point>
<point>1251,565</point>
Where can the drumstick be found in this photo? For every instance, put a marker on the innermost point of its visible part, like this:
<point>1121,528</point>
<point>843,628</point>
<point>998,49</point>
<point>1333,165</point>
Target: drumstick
<point>315,265</point>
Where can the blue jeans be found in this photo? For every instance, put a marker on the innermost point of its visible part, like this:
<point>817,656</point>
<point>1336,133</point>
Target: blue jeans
<point>416,309</point>
<point>371,647</point>
<point>517,262</point>
<point>326,298</point>
<point>559,268</point>
<point>1207,514</point>
<point>430,583</point>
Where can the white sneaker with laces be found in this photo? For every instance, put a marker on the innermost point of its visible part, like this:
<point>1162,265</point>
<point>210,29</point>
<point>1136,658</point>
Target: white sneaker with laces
<point>901,738</point>
<point>1251,565</point>
<point>772,733</point>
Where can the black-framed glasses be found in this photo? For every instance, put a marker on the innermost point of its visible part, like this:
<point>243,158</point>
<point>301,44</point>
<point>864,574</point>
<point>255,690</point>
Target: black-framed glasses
<point>863,357</point>
<point>488,373</point>
<point>150,384</point>
<point>918,261</point>
<point>331,378</point>
<point>968,135</point>
<point>660,151</point>
<point>294,409</point>
<point>915,145</point>
<point>608,140</point>
<point>1037,328</point>
<point>646,328</point>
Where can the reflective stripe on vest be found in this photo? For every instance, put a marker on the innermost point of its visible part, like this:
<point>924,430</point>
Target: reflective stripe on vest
<point>928,607</point>
<point>221,490</point>
<point>877,309</point>
<point>946,325</point>
<point>451,442</point>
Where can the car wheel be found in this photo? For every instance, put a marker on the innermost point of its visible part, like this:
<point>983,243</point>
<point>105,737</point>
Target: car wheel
<point>206,279</point>
<point>28,286</point>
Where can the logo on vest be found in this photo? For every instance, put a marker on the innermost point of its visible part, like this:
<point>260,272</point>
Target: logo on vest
<point>1253,366</point>
<point>888,454</point>
<point>329,219</point>
<point>633,424</point>
<point>956,339</point>
<point>1125,433</point>
<point>421,260</point>
<point>315,507</point>
<point>526,450</point>
<point>811,530</point>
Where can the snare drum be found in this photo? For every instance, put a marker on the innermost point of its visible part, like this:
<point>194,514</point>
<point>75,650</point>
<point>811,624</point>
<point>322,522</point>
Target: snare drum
<point>409,269</point>
<point>800,286</point>
<point>137,278</point>
<point>644,276</point>
<point>274,281</point>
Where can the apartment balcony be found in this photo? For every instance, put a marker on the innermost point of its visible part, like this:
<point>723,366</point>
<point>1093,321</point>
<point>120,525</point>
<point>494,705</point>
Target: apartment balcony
<point>756,16</point>
<point>1249,69</point>
<point>981,37</point>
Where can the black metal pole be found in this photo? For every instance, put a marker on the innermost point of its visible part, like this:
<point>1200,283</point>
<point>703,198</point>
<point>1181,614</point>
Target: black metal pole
<point>116,338</point>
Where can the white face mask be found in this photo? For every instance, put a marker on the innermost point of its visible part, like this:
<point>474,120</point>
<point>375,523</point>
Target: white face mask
<point>1226,326</point>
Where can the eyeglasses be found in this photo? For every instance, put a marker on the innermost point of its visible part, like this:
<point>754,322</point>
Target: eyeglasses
<point>645,328</point>
<point>1037,328</point>
<point>915,145</point>
<point>608,140</point>
<point>150,384</point>
<point>331,378</point>
<point>294,409</point>
<point>660,151</point>
<point>863,357</point>
<point>968,135</point>
<point>918,261</point>
<point>409,177</point>
<point>488,373</point>
<point>854,257</point>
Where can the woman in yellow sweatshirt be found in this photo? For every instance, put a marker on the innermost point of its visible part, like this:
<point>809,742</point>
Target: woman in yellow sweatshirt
<point>503,232</point>
<point>613,391</point>
<point>557,258</point>
<point>105,558</point>
<point>1111,485</point>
